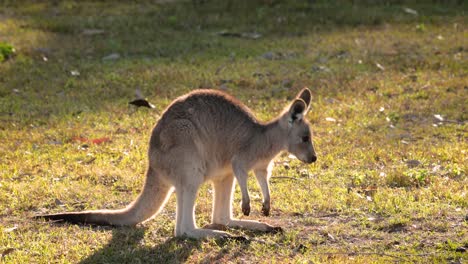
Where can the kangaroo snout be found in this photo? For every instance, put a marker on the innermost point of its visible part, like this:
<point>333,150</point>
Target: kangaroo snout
<point>311,159</point>
<point>307,158</point>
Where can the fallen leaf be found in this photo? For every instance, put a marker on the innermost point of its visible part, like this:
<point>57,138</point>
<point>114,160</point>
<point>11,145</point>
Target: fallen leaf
<point>300,248</point>
<point>112,56</point>
<point>413,163</point>
<point>141,103</point>
<point>460,249</point>
<point>11,229</point>
<point>304,173</point>
<point>439,117</point>
<point>80,139</point>
<point>436,168</point>
<point>75,73</point>
<point>410,11</point>
<point>91,32</point>
<point>320,68</point>
<point>83,147</point>
<point>382,68</point>
<point>249,35</point>
<point>6,252</point>
<point>121,131</point>
<point>58,202</point>
<point>55,142</point>
<point>100,140</point>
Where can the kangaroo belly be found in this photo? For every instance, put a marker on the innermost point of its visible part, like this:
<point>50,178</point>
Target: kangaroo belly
<point>218,173</point>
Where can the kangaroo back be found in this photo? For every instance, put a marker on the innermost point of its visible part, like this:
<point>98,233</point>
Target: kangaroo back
<point>216,117</point>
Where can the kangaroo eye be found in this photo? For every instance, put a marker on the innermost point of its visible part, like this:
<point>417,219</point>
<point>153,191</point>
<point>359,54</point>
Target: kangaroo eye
<point>305,139</point>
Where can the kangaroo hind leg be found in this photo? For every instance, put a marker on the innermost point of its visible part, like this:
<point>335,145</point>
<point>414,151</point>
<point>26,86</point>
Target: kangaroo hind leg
<point>222,202</point>
<point>186,193</point>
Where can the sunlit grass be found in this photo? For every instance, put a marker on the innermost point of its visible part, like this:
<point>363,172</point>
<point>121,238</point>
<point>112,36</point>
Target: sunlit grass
<point>388,115</point>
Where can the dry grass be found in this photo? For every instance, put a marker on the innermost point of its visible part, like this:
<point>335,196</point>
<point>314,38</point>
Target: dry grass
<point>390,184</point>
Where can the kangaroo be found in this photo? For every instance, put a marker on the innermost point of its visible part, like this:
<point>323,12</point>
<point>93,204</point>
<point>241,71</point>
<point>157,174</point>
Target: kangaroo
<point>207,135</point>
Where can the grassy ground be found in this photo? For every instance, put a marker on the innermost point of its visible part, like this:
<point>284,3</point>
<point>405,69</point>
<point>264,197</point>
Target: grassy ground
<point>389,116</point>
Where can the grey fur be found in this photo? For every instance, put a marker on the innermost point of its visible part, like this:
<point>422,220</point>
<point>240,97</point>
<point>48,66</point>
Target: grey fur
<point>208,135</point>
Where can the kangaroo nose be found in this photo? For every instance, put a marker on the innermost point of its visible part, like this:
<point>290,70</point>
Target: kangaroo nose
<point>312,159</point>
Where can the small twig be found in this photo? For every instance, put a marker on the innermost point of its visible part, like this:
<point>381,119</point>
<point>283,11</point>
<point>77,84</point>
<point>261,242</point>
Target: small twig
<point>48,222</point>
<point>327,215</point>
<point>219,69</point>
<point>452,121</point>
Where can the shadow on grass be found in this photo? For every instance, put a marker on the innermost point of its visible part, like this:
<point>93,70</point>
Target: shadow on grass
<point>126,247</point>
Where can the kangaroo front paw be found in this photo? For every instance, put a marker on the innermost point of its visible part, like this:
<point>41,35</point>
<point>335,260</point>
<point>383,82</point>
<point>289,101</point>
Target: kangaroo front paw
<point>246,208</point>
<point>266,209</point>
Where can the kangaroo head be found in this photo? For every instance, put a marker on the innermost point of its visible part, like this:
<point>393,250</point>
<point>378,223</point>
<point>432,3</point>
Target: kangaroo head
<point>299,141</point>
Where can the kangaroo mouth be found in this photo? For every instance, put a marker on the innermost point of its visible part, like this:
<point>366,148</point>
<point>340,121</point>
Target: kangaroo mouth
<point>309,160</point>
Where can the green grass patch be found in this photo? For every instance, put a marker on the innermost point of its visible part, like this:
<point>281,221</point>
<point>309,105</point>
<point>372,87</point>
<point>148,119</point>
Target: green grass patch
<point>388,114</point>
<point>6,51</point>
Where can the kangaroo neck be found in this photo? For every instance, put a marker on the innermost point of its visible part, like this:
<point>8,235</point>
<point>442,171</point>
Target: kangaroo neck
<point>275,138</point>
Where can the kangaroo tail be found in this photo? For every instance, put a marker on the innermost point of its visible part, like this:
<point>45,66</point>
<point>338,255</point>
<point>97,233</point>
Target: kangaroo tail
<point>151,200</point>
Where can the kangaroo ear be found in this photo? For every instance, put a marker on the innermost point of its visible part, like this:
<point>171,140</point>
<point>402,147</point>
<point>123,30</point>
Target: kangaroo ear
<point>305,95</point>
<point>297,110</point>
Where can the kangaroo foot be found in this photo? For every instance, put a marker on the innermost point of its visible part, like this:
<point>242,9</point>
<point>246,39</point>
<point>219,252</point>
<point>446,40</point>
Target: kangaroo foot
<point>215,227</point>
<point>266,209</point>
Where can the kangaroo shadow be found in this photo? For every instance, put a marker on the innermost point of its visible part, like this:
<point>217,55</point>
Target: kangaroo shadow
<point>126,246</point>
